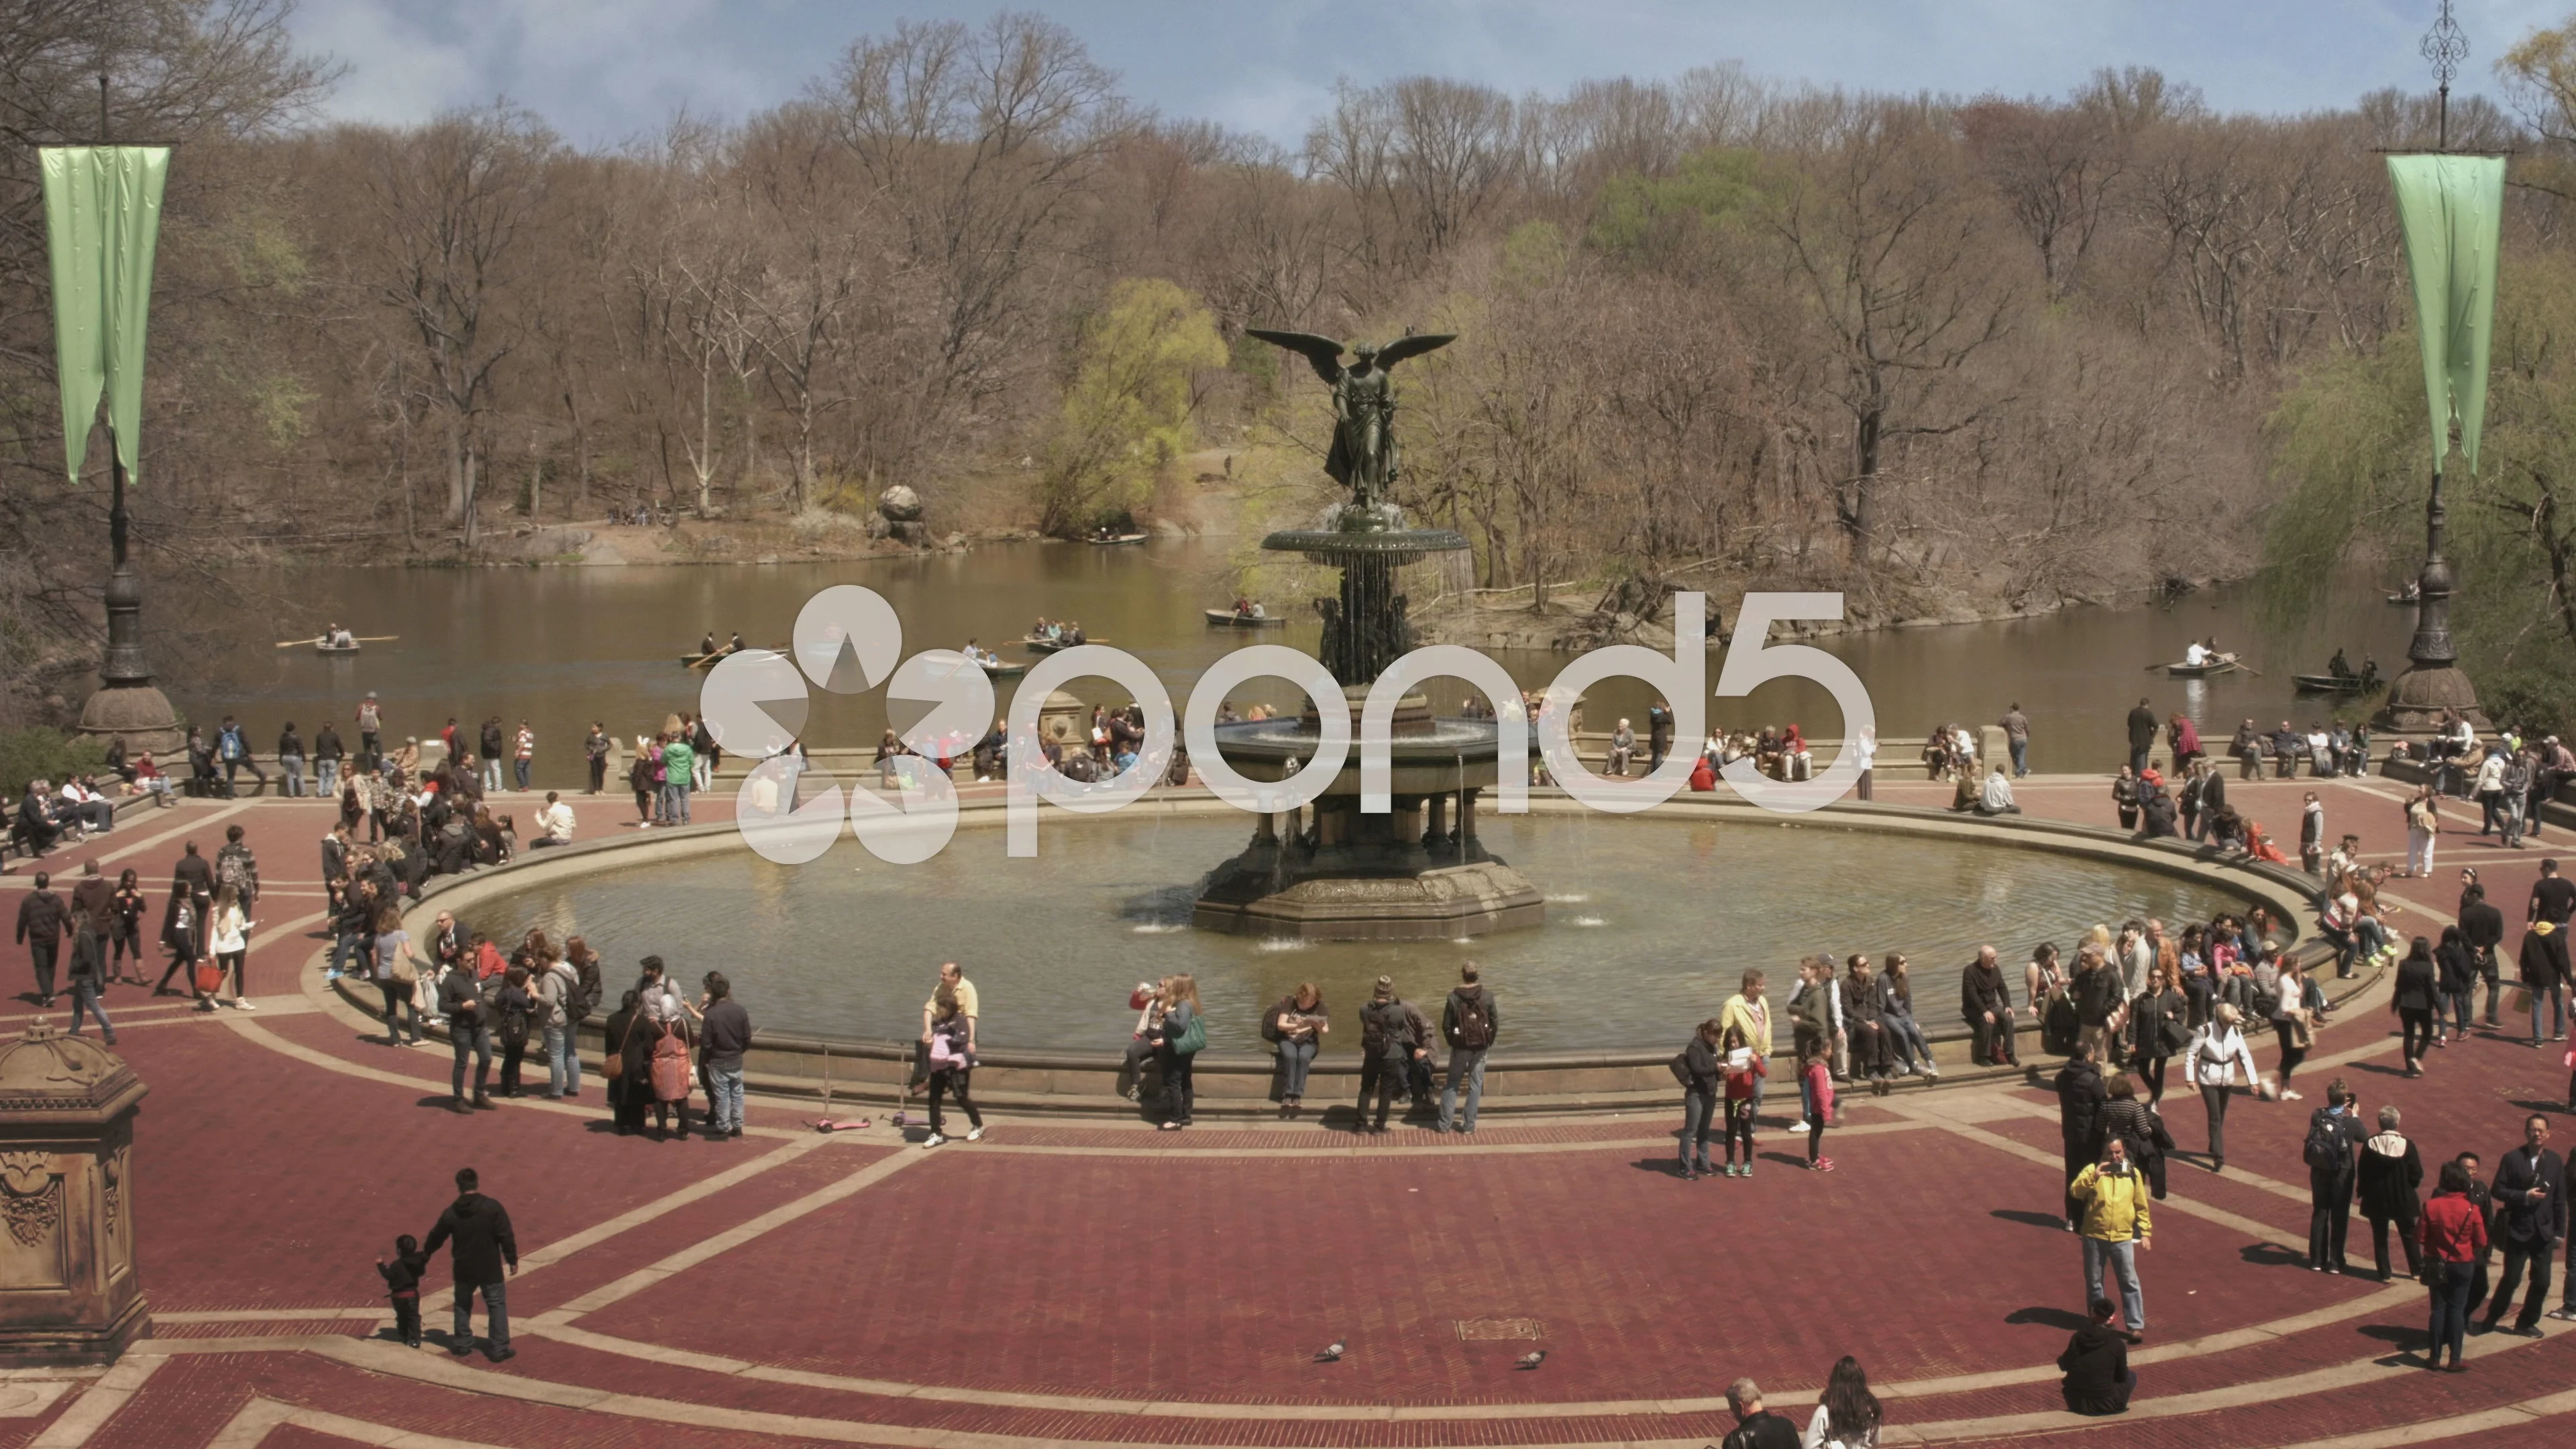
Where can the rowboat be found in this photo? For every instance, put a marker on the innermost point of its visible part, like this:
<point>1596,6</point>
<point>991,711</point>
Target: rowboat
<point>2404,599</point>
<point>1003,671</point>
<point>1117,540</point>
<point>692,661</point>
<point>2329,683</point>
<point>1229,619</point>
<point>1041,644</point>
<point>321,648</point>
<point>2221,665</point>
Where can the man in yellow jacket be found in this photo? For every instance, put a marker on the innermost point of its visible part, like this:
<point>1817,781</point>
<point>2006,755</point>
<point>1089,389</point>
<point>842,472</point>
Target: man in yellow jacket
<point>2115,1228</point>
<point>1748,1010</point>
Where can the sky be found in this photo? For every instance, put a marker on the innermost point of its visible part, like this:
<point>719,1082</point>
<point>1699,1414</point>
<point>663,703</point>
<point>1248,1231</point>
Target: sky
<point>604,71</point>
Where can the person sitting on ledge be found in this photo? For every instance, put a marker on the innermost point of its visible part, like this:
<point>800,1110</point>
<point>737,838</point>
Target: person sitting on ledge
<point>1998,796</point>
<point>2098,1379</point>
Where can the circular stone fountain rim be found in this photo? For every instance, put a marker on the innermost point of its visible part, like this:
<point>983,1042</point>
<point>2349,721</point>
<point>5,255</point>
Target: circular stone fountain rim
<point>2283,891</point>
<point>1393,542</point>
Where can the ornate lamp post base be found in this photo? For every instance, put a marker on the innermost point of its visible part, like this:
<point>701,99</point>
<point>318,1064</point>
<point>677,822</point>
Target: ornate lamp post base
<point>2433,682</point>
<point>128,703</point>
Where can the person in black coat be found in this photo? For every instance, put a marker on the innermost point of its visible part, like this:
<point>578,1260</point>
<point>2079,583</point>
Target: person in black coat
<point>2455,980</point>
<point>2415,1002</point>
<point>2081,1097</point>
<point>480,1230</point>
<point>2390,1175</point>
<point>2096,1363</point>
<point>2529,1194</point>
<point>2482,927</point>
<point>2337,1127</point>
<point>2142,736</point>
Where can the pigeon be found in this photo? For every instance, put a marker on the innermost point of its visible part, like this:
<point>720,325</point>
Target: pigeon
<point>1332,1352</point>
<point>1532,1359</point>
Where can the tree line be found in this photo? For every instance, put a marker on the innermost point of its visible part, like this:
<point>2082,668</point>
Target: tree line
<point>1944,353</point>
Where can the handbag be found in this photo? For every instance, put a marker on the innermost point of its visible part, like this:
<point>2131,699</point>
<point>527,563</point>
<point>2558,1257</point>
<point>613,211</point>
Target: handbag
<point>210,978</point>
<point>1680,1065</point>
<point>1193,1037</point>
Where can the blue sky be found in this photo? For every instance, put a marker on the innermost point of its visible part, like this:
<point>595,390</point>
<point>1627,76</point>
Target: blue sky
<point>603,70</point>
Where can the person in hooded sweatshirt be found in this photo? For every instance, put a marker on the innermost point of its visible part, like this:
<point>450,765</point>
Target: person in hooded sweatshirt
<point>2096,1363</point>
<point>480,1230</point>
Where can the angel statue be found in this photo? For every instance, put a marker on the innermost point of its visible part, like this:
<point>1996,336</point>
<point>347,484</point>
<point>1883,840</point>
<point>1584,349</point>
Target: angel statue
<point>1363,458</point>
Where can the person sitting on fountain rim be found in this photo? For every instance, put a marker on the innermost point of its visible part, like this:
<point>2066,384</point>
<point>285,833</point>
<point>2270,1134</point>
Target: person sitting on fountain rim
<point>1997,798</point>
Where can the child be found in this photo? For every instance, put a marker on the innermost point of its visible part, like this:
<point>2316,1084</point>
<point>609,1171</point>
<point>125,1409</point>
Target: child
<point>1744,1070</point>
<point>1820,1104</point>
<point>402,1283</point>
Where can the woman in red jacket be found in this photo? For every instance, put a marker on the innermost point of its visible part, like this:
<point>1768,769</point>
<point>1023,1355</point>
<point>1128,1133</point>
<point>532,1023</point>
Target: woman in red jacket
<point>2453,1236</point>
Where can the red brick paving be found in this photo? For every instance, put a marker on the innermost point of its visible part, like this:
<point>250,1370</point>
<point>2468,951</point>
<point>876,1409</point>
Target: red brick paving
<point>272,1183</point>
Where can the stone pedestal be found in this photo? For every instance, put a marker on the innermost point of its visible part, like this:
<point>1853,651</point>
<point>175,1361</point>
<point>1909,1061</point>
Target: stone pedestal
<point>2418,698</point>
<point>69,1292</point>
<point>139,712</point>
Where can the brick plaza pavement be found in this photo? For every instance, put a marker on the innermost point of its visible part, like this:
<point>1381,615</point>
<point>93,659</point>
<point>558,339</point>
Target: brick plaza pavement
<point>1092,1282</point>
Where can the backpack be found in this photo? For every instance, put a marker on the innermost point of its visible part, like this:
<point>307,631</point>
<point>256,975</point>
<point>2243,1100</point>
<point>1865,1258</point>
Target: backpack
<point>582,1002</point>
<point>1475,1029</point>
<point>228,870</point>
<point>2325,1148</point>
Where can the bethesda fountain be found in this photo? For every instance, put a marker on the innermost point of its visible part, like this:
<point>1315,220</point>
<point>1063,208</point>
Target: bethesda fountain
<point>1327,871</point>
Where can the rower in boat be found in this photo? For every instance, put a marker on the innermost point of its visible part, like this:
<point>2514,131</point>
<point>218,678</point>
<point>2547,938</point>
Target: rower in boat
<point>2199,654</point>
<point>338,637</point>
<point>2338,666</point>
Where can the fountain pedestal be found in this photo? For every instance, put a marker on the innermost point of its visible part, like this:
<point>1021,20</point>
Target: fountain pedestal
<point>1328,872</point>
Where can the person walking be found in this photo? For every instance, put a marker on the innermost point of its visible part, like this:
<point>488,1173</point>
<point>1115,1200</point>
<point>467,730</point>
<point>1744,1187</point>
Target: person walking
<point>125,908</point>
<point>2115,1228</point>
<point>724,1030</point>
<point>2334,1132</point>
<point>1701,1070</point>
<point>1816,1086</point>
<point>2423,829</point>
<point>88,976</point>
<point>2455,981</point>
<point>41,918</point>
<point>479,1229</point>
<point>2081,1095</point>
<point>397,979</point>
<point>2391,1173</point>
<point>1659,735</point>
<point>2016,726</point>
<point>952,1069</point>
<point>2529,1197</point>
<point>2293,1025</point>
<point>2158,1027</point>
<point>2542,962</point>
<point>229,939</point>
<point>2211,1061</point>
<point>2482,930</point>
<point>2451,1237</point>
<point>1387,1052</point>
<point>1184,1035</point>
<point>2416,1002</point>
<point>1469,1022</point>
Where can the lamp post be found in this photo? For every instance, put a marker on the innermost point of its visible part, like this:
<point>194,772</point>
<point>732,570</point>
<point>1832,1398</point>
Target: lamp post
<point>2450,218</point>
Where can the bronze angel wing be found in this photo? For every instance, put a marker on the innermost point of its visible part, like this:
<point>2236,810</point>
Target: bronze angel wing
<point>1413,346</point>
<point>1323,353</point>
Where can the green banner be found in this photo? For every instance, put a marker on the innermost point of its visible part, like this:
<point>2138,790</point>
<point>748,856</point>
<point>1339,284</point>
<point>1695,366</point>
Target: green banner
<point>2452,209</point>
<point>102,221</point>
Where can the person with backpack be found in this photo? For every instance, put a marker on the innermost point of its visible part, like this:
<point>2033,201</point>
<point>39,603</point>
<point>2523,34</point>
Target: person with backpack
<point>2333,1135</point>
<point>2455,982</point>
<point>235,866</point>
<point>1386,1049</point>
<point>580,1005</point>
<point>1183,1036</point>
<point>1469,1022</point>
<point>514,1009</point>
<point>2136,1123</point>
<point>233,749</point>
<point>2482,930</point>
<point>952,1069</point>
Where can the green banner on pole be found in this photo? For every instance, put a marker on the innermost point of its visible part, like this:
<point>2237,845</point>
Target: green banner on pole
<point>102,222</point>
<point>2452,210</point>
